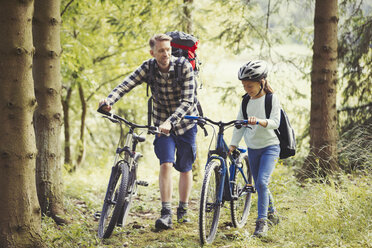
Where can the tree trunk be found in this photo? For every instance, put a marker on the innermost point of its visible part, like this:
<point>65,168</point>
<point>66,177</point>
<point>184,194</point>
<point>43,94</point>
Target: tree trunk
<point>20,224</point>
<point>66,121</point>
<point>81,144</point>
<point>48,115</point>
<point>322,159</point>
<point>187,23</point>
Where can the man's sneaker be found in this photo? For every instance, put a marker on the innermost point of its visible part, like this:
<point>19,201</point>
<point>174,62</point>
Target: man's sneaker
<point>273,218</point>
<point>182,215</point>
<point>261,228</point>
<point>165,220</point>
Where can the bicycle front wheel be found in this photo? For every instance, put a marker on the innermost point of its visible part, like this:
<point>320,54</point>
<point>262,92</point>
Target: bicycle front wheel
<point>114,200</point>
<point>131,190</point>
<point>209,213</point>
<point>241,206</point>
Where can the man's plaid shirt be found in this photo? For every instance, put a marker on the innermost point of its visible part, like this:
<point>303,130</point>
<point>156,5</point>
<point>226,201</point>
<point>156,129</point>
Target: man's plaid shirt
<point>171,100</point>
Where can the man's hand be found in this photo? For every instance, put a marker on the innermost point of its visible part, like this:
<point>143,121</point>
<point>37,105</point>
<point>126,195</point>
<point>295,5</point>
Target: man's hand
<point>165,127</point>
<point>106,107</point>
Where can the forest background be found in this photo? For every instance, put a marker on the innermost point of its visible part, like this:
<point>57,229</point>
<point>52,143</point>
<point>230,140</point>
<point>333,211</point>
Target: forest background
<point>103,41</point>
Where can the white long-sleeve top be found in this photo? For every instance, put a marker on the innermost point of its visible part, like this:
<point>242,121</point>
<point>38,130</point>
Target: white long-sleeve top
<point>258,137</point>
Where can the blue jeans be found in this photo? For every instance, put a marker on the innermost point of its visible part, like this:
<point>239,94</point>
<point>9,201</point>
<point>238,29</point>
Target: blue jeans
<point>262,162</point>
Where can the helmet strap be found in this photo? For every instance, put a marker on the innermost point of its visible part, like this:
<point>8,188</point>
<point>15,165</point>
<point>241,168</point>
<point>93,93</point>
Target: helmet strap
<point>260,89</point>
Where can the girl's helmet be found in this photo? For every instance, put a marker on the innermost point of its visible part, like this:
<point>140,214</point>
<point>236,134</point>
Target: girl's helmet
<point>254,70</point>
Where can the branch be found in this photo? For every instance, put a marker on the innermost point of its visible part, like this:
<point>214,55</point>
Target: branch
<point>64,10</point>
<point>355,108</point>
<point>104,83</point>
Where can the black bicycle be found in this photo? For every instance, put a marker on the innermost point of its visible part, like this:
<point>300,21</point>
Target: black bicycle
<point>123,181</point>
<point>227,177</point>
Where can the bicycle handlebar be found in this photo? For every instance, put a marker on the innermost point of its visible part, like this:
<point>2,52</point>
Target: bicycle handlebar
<point>116,118</point>
<point>237,123</point>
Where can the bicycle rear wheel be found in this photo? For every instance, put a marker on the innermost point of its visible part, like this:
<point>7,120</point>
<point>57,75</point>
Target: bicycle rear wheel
<point>114,200</point>
<point>209,213</point>
<point>241,206</point>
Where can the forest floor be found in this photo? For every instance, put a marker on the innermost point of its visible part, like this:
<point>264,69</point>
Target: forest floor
<point>312,215</point>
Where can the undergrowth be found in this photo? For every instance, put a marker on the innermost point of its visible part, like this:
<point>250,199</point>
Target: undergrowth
<point>337,214</point>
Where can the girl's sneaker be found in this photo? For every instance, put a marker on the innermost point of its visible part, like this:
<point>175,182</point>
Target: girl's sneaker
<point>261,228</point>
<point>273,218</point>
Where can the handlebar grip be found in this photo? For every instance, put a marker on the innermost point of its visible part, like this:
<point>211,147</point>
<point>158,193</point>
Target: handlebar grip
<point>100,110</point>
<point>191,117</point>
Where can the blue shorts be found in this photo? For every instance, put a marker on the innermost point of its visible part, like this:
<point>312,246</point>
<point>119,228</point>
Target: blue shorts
<point>166,146</point>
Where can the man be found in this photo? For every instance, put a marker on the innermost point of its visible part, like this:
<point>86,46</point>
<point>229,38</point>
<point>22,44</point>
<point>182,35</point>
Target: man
<point>171,101</point>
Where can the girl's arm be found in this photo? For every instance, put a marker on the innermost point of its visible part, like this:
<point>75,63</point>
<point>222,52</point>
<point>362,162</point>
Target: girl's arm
<point>274,121</point>
<point>237,133</point>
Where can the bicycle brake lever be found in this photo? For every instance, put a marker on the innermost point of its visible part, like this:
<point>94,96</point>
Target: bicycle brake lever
<point>110,118</point>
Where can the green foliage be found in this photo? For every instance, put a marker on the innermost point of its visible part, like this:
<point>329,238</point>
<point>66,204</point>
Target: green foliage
<point>355,58</point>
<point>355,148</point>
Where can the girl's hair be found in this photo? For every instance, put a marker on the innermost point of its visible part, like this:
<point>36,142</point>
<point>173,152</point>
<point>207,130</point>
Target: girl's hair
<point>266,86</point>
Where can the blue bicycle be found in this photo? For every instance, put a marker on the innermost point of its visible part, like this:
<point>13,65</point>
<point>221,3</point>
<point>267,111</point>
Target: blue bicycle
<point>227,178</point>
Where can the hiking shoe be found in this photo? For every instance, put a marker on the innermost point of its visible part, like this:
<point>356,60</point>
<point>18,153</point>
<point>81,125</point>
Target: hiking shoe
<point>182,215</point>
<point>165,220</point>
<point>273,218</point>
<point>261,228</point>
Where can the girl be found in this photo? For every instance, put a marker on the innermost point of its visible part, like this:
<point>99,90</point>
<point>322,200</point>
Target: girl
<point>261,140</point>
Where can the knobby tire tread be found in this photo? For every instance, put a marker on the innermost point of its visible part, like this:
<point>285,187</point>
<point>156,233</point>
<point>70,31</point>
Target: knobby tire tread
<point>123,170</point>
<point>208,233</point>
<point>129,195</point>
<point>239,217</point>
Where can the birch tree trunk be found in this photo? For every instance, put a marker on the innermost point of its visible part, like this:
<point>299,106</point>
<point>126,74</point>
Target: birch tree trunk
<point>48,115</point>
<point>20,224</point>
<point>322,159</point>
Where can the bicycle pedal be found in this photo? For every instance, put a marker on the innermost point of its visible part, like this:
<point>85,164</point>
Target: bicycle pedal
<point>142,183</point>
<point>249,188</point>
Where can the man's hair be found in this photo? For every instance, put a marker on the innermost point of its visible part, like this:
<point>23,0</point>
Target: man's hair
<point>158,37</point>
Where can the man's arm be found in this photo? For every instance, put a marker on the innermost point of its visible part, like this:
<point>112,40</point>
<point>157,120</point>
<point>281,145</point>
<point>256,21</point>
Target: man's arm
<point>131,81</point>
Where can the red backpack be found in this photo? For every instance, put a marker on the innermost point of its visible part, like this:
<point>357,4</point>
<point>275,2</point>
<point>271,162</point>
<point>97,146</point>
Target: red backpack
<point>184,45</point>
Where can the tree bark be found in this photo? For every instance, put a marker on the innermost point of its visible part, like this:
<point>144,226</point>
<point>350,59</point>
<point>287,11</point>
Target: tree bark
<point>81,144</point>
<point>48,115</point>
<point>20,224</point>
<point>322,159</point>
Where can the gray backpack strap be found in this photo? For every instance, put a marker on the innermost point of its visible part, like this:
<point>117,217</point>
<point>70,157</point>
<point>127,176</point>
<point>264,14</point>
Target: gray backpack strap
<point>151,75</point>
<point>150,81</point>
<point>178,67</point>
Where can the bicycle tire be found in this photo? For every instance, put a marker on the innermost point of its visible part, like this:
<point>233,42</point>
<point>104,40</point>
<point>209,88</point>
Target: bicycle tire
<point>114,201</point>
<point>209,213</point>
<point>241,206</point>
<point>131,190</point>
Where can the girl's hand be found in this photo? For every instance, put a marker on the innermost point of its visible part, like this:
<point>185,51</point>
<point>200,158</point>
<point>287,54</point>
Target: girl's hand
<point>252,120</point>
<point>231,149</point>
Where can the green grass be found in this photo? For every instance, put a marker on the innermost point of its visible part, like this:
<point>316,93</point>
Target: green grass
<point>312,215</point>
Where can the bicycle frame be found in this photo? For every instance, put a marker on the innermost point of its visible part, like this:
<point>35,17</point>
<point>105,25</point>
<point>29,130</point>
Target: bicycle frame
<point>221,153</point>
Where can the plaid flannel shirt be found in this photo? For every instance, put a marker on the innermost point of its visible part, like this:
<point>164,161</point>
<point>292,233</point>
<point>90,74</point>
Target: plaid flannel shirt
<point>171,100</point>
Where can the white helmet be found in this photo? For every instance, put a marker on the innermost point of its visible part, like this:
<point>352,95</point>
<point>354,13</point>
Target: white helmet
<point>254,70</point>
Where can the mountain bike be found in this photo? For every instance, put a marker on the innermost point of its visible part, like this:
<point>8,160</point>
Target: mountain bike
<point>123,181</point>
<point>227,178</point>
